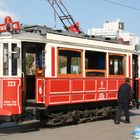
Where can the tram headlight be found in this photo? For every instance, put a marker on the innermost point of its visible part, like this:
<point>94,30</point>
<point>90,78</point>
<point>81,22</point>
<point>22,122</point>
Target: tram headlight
<point>9,27</point>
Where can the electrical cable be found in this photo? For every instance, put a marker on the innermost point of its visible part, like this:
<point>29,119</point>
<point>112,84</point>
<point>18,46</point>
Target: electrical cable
<point>123,5</point>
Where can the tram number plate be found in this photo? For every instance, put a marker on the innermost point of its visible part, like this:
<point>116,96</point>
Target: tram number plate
<point>11,83</point>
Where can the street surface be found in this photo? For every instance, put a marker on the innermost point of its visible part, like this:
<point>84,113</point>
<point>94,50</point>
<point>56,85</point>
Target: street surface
<point>99,130</point>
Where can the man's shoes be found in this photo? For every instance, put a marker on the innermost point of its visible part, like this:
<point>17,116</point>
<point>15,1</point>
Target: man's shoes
<point>127,121</point>
<point>116,122</point>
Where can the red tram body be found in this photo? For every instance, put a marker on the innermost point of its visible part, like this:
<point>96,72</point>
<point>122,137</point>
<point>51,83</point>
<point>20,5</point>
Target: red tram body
<point>46,69</point>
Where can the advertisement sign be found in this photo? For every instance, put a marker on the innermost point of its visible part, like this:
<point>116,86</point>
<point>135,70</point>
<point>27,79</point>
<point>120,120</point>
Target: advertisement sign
<point>9,25</point>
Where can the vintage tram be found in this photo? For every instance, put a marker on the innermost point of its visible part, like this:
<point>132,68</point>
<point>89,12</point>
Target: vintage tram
<point>61,77</point>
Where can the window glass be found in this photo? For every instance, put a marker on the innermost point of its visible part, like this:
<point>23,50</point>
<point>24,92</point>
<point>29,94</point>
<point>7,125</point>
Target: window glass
<point>69,62</point>
<point>75,65</point>
<point>14,60</point>
<point>95,60</point>
<point>95,63</point>
<point>62,64</point>
<point>116,65</point>
<point>5,59</point>
<point>40,62</point>
<point>135,66</point>
<point>30,64</point>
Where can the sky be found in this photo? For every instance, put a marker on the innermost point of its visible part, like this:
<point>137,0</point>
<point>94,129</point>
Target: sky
<point>90,13</point>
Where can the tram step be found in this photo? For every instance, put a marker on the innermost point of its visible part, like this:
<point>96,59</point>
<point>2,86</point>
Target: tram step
<point>32,103</point>
<point>32,113</point>
<point>28,126</point>
<point>29,114</point>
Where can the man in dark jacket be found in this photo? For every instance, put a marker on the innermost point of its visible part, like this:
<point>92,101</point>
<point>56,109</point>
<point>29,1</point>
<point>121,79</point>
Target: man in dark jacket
<point>124,99</point>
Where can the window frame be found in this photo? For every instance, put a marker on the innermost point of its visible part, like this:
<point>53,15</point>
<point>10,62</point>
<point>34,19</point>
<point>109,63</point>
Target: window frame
<point>81,63</point>
<point>10,57</point>
<point>124,65</point>
<point>13,46</point>
<point>104,71</point>
<point>7,57</point>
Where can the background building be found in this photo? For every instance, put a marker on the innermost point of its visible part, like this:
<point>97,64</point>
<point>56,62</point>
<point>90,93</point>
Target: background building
<point>116,30</point>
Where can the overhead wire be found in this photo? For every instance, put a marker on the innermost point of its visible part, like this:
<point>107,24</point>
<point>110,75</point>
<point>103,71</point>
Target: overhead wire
<point>123,5</point>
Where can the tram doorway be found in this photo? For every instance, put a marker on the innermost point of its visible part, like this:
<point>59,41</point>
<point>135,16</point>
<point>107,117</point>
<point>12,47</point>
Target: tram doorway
<point>32,60</point>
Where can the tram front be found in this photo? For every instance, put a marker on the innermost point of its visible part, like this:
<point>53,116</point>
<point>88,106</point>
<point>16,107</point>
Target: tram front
<point>10,79</point>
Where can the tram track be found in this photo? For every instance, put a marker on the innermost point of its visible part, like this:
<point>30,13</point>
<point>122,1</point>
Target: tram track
<point>34,125</point>
<point>9,128</point>
<point>56,120</point>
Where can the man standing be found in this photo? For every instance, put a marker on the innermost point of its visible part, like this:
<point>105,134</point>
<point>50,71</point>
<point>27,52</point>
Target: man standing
<point>124,99</point>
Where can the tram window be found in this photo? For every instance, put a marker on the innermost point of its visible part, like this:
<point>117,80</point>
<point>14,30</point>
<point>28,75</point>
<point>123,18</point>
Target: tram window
<point>5,59</point>
<point>30,64</point>
<point>135,66</point>
<point>69,62</point>
<point>116,65</point>
<point>14,60</point>
<point>95,63</point>
<point>40,62</point>
<point>62,65</point>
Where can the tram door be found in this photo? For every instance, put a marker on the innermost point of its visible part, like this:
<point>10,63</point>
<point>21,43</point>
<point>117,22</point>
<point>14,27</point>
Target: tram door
<point>31,63</point>
<point>135,75</point>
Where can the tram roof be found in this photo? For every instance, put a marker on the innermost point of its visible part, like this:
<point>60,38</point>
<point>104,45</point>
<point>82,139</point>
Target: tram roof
<point>43,30</point>
<point>44,34</point>
<point>31,32</point>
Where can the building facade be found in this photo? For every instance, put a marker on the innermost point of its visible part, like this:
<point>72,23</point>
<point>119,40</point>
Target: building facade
<point>115,29</point>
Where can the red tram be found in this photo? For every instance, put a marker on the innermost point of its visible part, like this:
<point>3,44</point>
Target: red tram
<point>61,77</point>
